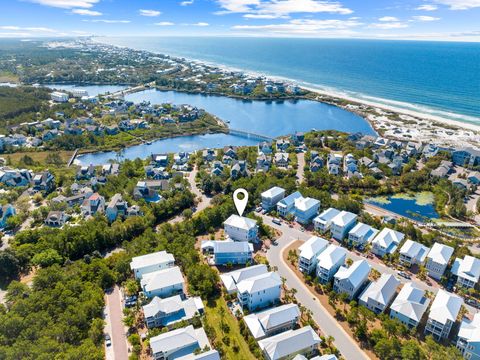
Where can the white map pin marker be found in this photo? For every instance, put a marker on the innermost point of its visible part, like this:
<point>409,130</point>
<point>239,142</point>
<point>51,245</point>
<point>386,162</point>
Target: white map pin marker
<point>240,204</point>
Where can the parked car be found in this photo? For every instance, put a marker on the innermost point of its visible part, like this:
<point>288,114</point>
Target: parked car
<point>108,340</point>
<point>130,300</point>
<point>258,209</point>
<point>404,275</point>
<point>277,221</point>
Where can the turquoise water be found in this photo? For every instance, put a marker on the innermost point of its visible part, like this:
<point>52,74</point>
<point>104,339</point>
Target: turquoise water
<point>408,208</point>
<point>440,78</point>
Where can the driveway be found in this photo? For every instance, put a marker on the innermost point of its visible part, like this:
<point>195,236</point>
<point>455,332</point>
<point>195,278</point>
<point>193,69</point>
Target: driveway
<point>114,326</point>
<point>301,165</point>
<point>204,200</point>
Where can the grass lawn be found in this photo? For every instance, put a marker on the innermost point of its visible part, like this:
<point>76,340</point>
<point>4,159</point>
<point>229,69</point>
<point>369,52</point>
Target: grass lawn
<point>38,156</point>
<point>213,318</point>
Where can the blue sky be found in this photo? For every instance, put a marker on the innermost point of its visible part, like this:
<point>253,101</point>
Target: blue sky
<point>387,19</point>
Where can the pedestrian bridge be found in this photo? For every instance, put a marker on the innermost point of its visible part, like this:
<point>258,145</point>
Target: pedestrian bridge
<point>250,135</point>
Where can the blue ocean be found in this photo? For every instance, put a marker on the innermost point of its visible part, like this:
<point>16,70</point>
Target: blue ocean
<point>438,78</point>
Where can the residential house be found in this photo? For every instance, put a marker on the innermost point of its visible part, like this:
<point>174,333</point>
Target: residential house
<point>467,271</point>
<point>228,252</point>
<point>437,260</point>
<point>217,168</point>
<point>110,169</point>
<point>168,311</point>
<point>209,155</point>
<point>264,163</point>
<point>265,147</point>
<point>352,279</point>
<point>148,191</point>
<point>271,197</point>
<point>378,295</point>
<point>56,219</point>
<point>272,321</point>
<point>286,345</point>
<point>259,291</point>
<point>159,160</point>
<point>474,178</point>
<point>282,145</point>
<point>306,209</point>
<point>413,252</point>
<point>323,221</point>
<point>386,242</point>
<point>468,340</point>
<point>178,343</point>
<point>5,212</point>
<point>58,96</point>
<point>409,305</point>
<point>316,162</point>
<point>287,205</point>
<point>163,283</point>
<point>334,162</point>
<point>281,159</point>
<point>342,223</point>
<point>231,279</point>
<point>206,355</point>
<point>239,168</point>
<point>92,205</point>
<point>443,314</point>
<point>298,138</point>
<point>361,234</point>
<point>116,207</point>
<point>240,228</point>
<point>443,169</point>
<point>43,181</point>
<point>145,264</point>
<point>329,261</point>
<point>467,157</point>
<point>309,252</point>
<point>85,172</point>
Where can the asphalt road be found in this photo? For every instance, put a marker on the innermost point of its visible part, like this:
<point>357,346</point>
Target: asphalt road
<point>114,326</point>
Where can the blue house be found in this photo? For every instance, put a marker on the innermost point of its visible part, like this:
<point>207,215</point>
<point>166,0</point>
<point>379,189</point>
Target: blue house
<point>5,212</point>
<point>466,157</point>
<point>228,252</point>
<point>306,209</point>
<point>287,205</point>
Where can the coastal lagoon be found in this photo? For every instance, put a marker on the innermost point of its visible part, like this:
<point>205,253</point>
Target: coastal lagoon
<point>269,118</point>
<point>416,207</point>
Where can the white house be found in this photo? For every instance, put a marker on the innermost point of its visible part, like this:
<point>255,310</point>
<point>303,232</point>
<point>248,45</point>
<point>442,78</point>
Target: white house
<point>323,221</point>
<point>259,291</point>
<point>163,283</point>
<point>228,251</point>
<point>177,343</point>
<point>272,321</point>
<point>240,228</point>
<point>58,96</point>
<point>166,312</point>
<point>437,260</point>
<point>409,305</point>
<point>361,234</point>
<point>351,280</point>
<point>468,341</point>
<point>386,242</point>
<point>342,224</point>
<point>306,209</point>
<point>309,251</point>
<point>271,197</point>
<point>286,345</point>
<point>413,252</point>
<point>151,262</point>
<point>329,261</point>
<point>443,314</point>
<point>206,355</point>
<point>467,271</point>
<point>287,205</point>
<point>378,295</point>
<point>231,279</point>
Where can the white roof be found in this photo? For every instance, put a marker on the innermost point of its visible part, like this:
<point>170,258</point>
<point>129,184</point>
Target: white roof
<point>327,215</point>
<point>363,230</point>
<point>331,256</point>
<point>173,304</point>
<point>289,342</point>
<point>470,330</point>
<point>240,222</point>
<point>356,273</point>
<point>381,290</point>
<point>344,218</point>
<point>156,258</point>
<point>414,250</point>
<point>178,339</point>
<point>231,279</point>
<point>207,355</point>
<point>445,307</point>
<point>440,253</point>
<point>259,323</point>
<point>274,191</point>
<point>162,278</point>
<point>410,302</point>
<point>259,283</point>
<point>231,247</point>
<point>304,204</point>
<point>468,268</point>
<point>387,237</point>
<point>312,247</point>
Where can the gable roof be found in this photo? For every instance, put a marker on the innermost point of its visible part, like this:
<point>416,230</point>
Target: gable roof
<point>364,231</point>
<point>159,257</point>
<point>240,222</point>
<point>331,256</point>
<point>445,307</point>
<point>387,237</point>
<point>470,329</point>
<point>290,199</point>
<point>312,247</point>
<point>304,204</point>
<point>178,339</point>
<point>381,290</point>
<point>410,302</point>
<point>207,355</point>
<point>259,283</point>
<point>467,268</point>
<point>231,279</point>
<point>162,278</point>
<point>272,192</point>
<point>414,250</point>
<point>260,323</point>
<point>440,253</point>
<point>327,215</point>
<point>355,274</point>
<point>344,218</point>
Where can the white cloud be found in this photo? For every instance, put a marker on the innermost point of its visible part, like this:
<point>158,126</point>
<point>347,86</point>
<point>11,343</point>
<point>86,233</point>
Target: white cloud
<point>389,25</point>
<point>202,24</point>
<point>35,29</point>
<point>425,18</point>
<point>165,23</point>
<point>459,4</point>
<point>150,13</point>
<point>108,21</point>
<point>66,4</point>
<point>388,18</point>
<point>264,16</point>
<point>281,8</point>
<point>86,12</point>
<point>186,3</point>
<point>427,7</point>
